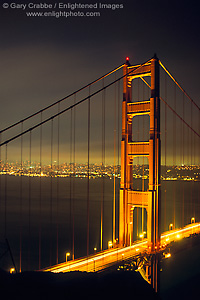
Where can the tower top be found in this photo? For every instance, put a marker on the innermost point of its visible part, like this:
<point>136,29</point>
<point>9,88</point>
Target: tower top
<point>127,61</point>
<point>155,56</point>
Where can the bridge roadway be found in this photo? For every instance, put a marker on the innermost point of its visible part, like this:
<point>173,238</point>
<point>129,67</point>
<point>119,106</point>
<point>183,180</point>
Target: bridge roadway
<point>109,257</point>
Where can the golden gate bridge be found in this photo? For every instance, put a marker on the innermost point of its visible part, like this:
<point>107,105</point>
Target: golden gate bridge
<point>135,129</point>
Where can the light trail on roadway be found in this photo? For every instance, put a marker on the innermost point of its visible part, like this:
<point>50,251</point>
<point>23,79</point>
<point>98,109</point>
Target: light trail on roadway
<point>106,258</point>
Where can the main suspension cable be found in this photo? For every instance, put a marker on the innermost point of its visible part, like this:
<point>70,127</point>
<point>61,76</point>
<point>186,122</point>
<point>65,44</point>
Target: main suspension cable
<point>69,107</point>
<point>170,75</point>
<point>61,100</point>
<point>171,110</point>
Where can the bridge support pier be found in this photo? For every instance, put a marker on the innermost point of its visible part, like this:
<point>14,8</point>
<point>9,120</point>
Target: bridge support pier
<point>153,272</point>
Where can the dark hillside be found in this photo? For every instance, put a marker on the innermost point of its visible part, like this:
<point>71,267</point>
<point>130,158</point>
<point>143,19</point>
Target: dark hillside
<point>75,285</point>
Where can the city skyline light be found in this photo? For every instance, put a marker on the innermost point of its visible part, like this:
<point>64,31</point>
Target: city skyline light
<point>42,62</point>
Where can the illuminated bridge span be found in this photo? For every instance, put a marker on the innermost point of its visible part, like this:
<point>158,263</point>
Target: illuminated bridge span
<point>112,165</point>
<point>110,257</point>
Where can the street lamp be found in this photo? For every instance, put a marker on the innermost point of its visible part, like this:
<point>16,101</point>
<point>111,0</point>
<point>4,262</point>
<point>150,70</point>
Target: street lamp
<point>193,220</point>
<point>12,270</point>
<point>170,226</point>
<point>167,255</point>
<point>67,254</point>
<point>110,244</point>
<point>142,234</point>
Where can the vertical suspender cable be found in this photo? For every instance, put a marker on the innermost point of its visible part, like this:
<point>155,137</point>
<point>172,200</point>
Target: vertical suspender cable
<point>191,133</point>
<point>74,174</point>
<point>70,182</point>
<point>118,125</point>
<point>57,184</point>
<point>40,196</point>
<point>103,162</point>
<point>118,149</point>
<point>174,156</point>
<point>165,206</point>
<point>29,207</point>
<point>183,147</point>
<point>20,204</point>
<point>88,178</point>
<point>5,197</point>
<point>51,197</point>
<point>138,185</point>
<point>114,175</point>
<point>190,159</point>
<point>192,182</point>
<point>143,183</point>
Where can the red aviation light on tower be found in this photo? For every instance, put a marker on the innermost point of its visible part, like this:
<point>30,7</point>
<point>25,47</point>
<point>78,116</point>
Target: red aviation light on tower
<point>127,61</point>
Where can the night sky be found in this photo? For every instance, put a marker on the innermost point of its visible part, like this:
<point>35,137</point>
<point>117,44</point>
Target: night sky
<point>45,58</point>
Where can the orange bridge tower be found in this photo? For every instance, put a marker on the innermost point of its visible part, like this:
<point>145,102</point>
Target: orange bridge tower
<point>129,198</point>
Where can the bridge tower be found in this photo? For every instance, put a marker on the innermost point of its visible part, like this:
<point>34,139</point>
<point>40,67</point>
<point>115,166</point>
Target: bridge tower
<point>129,198</point>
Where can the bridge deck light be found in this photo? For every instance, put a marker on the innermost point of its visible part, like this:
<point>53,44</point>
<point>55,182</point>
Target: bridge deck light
<point>12,270</point>
<point>67,254</point>
<point>110,244</point>
<point>167,255</point>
